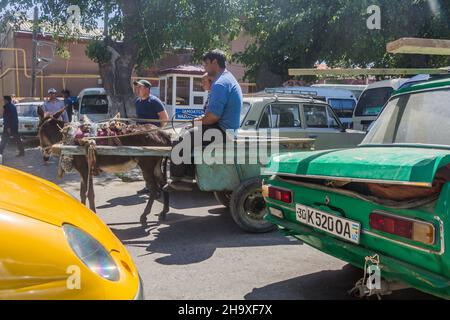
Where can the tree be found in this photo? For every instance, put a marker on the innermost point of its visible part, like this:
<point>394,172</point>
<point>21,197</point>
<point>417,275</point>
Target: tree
<point>139,32</point>
<point>300,33</point>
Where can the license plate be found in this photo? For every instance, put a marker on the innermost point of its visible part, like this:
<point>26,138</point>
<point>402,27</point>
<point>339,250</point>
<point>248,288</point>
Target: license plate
<point>342,228</point>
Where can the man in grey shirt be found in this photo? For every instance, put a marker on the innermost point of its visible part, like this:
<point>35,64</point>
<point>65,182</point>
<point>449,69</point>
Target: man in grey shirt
<point>53,105</point>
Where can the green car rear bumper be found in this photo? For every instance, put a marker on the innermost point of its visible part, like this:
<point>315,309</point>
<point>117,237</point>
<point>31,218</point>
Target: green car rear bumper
<point>391,268</point>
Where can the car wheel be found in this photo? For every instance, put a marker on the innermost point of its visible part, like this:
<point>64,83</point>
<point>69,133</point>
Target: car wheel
<point>247,207</point>
<point>223,197</point>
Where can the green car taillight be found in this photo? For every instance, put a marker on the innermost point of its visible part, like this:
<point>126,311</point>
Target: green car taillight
<point>278,194</point>
<point>406,228</point>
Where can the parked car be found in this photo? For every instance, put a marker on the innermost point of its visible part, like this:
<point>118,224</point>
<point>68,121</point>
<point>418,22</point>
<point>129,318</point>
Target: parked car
<point>297,117</point>
<point>357,89</point>
<point>343,102</point>
<point>52,247</point>
<point>93,103</point>
<point>387,199</point>
<point>28,118</point>
<point>372,102</point>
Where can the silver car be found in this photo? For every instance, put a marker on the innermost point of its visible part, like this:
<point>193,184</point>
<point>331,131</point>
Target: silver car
<point>297,117</point>
<point>28,118</point>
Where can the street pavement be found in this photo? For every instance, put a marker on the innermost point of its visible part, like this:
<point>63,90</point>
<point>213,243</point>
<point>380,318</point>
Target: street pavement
<point>200,253</point>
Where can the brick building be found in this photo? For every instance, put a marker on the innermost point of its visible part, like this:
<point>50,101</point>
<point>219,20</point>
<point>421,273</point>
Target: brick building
<point>75,73</point>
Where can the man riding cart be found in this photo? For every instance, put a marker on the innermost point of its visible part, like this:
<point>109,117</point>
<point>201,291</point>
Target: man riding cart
<point>222,113</point>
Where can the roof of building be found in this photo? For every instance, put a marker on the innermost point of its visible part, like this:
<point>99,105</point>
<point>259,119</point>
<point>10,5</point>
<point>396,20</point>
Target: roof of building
<point>27,27</point>
<point>184,69</point>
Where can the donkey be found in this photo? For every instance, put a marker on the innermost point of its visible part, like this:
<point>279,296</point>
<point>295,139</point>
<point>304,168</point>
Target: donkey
<point>153,168</point>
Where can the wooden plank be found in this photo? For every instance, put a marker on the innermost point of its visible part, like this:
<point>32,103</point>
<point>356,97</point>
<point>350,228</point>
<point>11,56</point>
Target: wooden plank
<point>364,72</point>
<point>284,144</point>
<point>116,151</point>
<point>419,46</point>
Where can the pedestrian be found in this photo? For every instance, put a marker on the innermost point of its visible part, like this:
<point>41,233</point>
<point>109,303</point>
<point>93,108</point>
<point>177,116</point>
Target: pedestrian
<point>68,103</point>
<point>223,112</point>
<point>11,127</point>
<point>53,105</point>
<point>149,107</point>
<point>14,99</point>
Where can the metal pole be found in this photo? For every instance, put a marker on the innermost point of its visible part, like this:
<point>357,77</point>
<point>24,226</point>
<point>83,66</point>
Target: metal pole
<point>34,52</point>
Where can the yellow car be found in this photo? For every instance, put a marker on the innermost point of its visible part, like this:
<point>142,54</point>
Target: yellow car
<point>52,247</point>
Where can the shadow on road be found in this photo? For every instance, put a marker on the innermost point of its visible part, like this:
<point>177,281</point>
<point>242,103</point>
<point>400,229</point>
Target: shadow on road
<point>195,199</point>
<point>190,239</point>
<point>125,201</point>
<point>325,285</point>
<point>34,164</point>
<point>133,233</point>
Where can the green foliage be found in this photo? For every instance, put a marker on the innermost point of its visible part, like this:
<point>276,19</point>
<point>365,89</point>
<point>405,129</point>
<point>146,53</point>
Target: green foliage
<point>62,50</point>
<point>98,52</point>
<point>157,27</point>
<point>196,25</point>
<point>300,33</point>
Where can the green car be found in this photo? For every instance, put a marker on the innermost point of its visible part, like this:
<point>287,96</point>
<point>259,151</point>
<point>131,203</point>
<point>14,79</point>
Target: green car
<point>384,203</point>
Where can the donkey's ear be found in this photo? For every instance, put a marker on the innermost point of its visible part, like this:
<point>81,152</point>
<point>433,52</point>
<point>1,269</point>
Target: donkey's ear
<point>59,113</point>
<point>40,112</point>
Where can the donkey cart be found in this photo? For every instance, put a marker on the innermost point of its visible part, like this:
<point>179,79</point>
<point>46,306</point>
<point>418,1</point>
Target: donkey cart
<point>233,174</point>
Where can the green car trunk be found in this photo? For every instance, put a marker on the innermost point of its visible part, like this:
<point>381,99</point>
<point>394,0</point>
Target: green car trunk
<point>424,267</point>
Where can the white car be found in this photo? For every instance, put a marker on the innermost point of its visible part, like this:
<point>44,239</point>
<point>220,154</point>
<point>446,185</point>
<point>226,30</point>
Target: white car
<point>296,117</point>
<point>343,102</point>
<point>28,118</point>
<point>357,89</point>
<point>372,102</point>
<point>93,103</point>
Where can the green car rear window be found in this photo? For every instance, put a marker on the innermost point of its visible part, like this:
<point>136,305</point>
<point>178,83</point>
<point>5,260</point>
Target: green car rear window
<point>415,118</point>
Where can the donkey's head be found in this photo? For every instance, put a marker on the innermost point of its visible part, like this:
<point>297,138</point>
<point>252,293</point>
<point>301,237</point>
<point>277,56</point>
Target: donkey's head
<point>49,131</point>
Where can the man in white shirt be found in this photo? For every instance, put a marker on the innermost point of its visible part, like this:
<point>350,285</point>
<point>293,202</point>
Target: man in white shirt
<point>53,105</point>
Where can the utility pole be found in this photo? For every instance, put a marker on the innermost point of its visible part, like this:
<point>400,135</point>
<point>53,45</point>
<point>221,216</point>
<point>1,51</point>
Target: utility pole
<point>34,51</point>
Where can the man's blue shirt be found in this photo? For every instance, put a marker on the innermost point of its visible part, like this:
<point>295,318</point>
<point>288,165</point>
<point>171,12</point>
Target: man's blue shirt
<point>149,109</point>
<point>226,101</point>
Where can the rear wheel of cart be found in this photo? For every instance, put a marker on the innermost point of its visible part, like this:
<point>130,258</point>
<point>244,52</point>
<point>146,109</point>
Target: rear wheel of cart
<point>224,198</point>
<point>247,207</point>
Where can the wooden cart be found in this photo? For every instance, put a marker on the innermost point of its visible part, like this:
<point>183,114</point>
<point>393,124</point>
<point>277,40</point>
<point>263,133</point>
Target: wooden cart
<point>236,180</point>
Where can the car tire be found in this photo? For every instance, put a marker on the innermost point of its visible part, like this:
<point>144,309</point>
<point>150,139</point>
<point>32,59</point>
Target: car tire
<point>223,197</point>
<point>247,207</point>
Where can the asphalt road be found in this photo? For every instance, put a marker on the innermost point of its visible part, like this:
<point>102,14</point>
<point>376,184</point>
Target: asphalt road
<point>200,253</point>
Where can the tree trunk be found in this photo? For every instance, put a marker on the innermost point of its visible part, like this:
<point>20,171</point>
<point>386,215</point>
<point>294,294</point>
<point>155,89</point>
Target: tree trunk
<point>264,78</point>
<point>116,73</point>
<point>116,77</point>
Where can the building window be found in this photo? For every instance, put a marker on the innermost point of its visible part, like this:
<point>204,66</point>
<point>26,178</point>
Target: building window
<point>199,100</point>
<point>183,91</point>
<point>169,90</point>
<point>162,90</point>
<point>198,87</point>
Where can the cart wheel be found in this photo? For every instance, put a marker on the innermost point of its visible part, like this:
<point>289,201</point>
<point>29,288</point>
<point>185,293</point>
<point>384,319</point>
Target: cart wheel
<point>247,207</point>
<point>224,198</point>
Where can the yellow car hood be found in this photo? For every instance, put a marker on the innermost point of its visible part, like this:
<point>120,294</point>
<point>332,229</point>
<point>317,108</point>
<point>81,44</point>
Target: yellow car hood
<point>42,200</point>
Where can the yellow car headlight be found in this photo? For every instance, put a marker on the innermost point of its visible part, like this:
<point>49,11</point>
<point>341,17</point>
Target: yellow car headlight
<point>91,253</point>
